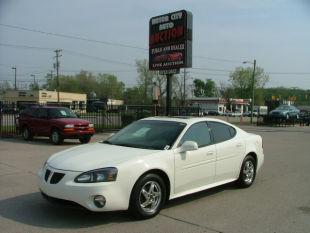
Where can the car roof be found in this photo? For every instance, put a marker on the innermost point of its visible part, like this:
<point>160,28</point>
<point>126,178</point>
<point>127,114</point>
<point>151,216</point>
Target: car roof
<point>185,119</point>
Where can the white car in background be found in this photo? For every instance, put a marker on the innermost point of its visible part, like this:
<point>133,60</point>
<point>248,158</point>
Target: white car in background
<point>151,161</point>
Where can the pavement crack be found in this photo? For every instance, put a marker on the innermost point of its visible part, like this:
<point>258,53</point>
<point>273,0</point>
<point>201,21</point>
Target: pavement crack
<point>191,223</point>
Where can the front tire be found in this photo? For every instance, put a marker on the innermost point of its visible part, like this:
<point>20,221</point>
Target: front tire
<point>26,134</point>
<point>247,173</point>
<point>56,137</point>
<point>147,197</point>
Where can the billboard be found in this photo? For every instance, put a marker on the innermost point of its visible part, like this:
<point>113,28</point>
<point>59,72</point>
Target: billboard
<point>170,41</point>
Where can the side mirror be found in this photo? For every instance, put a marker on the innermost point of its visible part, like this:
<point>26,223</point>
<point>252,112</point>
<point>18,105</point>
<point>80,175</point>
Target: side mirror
<point>189,146</point>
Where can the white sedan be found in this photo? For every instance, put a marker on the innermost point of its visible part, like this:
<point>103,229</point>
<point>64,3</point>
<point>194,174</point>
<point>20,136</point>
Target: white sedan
<point>151,161</point>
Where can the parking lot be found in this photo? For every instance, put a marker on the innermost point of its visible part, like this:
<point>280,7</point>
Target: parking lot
<point>277,202</point>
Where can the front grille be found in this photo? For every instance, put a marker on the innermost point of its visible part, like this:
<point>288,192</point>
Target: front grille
<point>56,177</point>
<point>47,174</point>
<point>81,127</point>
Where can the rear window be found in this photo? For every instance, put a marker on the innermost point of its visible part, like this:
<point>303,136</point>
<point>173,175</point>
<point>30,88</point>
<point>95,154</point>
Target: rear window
<point>221,132</point>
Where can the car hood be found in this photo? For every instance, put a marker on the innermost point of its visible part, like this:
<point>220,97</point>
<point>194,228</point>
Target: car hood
<point>75,121</point>
<point>95,155</point>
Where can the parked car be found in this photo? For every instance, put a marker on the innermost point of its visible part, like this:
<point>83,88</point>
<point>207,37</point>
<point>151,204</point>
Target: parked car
<point>285,112</point>
<point>150,161</point>
<point>213,113</point>
<point>234,114</point>
<point>58,123</point>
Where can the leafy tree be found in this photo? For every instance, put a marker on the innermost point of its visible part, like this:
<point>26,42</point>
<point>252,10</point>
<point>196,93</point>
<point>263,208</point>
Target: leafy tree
<point>241,80</point>
<point>104,85</point>
<point>204,89</point>
<point>5,86</point>
<point>34,86</point>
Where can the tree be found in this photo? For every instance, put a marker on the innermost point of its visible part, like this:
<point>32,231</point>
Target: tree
<point>104,85</point>
<point>241,80</point>
<point>204,89</point>
<point>34,86</point>
<point>145,80</point>
<point>4,87</point>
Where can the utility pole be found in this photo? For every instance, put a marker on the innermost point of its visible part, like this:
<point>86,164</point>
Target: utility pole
<point>253,84</point>
<point>34,79</point>
<point>57,51</point>
<point>184,84</point>
<point>15,86</point>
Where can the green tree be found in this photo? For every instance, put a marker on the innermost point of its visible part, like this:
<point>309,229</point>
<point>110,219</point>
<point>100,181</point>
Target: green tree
<point>241,80</point>
<point>104,85</point>
<point>34,86</point>
<point>5,86</point>
<point>204,89</point>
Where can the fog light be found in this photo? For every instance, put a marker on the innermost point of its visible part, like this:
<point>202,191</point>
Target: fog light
<point>99,201</point>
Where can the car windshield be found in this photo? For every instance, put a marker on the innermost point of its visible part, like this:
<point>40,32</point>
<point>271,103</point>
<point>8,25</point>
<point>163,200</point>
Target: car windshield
<point>61,113</point>
<point>283,107</point>
<point>148,134</point>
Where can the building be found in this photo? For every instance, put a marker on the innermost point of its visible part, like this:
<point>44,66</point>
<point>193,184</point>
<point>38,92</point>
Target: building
<point>20,97</point>
<point>219,105</point>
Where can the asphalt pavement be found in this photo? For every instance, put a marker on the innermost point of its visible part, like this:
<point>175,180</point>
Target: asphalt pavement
<point>277,202</point>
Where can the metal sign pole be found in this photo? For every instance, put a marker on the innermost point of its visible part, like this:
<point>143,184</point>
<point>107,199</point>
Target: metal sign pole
<point>168,97</point>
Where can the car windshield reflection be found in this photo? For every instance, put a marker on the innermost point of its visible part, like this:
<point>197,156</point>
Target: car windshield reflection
<point>148,134</point>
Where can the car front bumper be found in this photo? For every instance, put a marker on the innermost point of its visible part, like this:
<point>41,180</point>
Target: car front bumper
<point>82,193</point>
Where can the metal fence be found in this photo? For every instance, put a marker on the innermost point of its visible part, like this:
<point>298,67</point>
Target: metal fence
<point>107,118</point>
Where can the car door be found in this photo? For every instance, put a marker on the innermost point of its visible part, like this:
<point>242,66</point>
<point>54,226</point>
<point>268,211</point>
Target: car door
<point>230,149</point>
<point>194,169</point>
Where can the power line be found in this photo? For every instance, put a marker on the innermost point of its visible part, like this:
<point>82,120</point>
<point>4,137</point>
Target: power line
<point>25,47</point>
<point>219,59</point>
<point>96,58</point>
<point>209,69</point>
<point>74,53</point>
<point>71,37</point>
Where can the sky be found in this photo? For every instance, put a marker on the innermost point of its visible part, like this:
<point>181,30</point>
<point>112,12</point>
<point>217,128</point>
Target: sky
<point>225,33</point>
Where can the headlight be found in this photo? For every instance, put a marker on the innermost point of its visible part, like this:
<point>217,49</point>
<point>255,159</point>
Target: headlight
<point>91,125</point>
<point>100,175</point>
<point>69,126</point>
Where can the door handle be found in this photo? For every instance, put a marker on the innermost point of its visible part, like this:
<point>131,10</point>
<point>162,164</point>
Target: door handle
<point>239,145</point>
<point>210,153</point>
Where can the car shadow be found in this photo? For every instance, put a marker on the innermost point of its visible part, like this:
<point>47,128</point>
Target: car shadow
<point>32,209</point>
<point>199,195</point>
<point>42,141</point>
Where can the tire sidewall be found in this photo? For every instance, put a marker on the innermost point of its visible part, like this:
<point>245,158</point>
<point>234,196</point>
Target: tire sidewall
<point>241,181</point>
<point>59,141</point>
<point>134,206</point>
<point>26,137</point>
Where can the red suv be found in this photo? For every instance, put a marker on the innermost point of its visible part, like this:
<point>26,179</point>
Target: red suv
<point>58,123</point>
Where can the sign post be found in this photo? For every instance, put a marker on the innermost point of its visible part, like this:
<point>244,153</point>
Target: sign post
<point>170,46</point>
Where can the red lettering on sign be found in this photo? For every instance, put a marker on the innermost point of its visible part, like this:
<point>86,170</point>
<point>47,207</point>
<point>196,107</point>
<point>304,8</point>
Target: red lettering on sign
<point>167,35</point>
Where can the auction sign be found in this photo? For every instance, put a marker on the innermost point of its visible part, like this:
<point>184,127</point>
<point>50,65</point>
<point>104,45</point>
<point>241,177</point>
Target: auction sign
<point>170,41</point>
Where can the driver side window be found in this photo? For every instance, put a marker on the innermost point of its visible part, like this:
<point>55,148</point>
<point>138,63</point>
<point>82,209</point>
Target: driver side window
<point>198,133</point>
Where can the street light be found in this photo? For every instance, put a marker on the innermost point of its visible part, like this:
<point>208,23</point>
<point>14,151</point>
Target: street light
<point>253,78</point>
<point>15,87</point>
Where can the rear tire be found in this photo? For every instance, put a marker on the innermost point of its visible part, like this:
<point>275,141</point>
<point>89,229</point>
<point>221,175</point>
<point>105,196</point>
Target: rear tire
<point>85,139</point>
<point>147,197</point>
<point>56,137</point>
<point>26,134</point>
<point>247,173</point>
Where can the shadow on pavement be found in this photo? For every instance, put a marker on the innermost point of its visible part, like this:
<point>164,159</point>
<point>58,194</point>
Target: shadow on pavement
<point>32,209</point>
<point>42,141</point>
<point>199,195</point>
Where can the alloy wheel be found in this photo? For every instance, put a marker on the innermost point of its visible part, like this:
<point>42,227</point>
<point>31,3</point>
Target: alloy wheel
<point>150,197</point>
